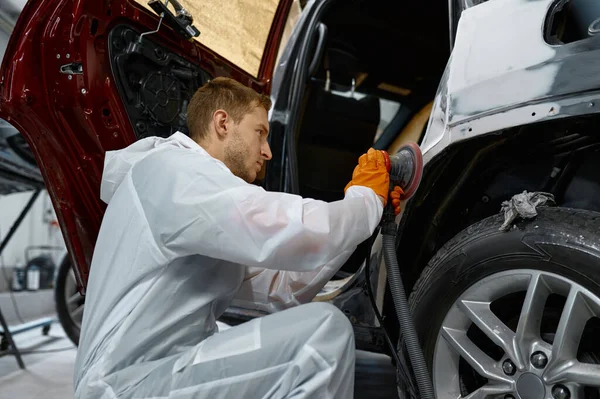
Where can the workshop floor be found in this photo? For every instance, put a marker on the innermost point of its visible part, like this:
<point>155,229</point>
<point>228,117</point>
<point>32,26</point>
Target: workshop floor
<point>49,370</point>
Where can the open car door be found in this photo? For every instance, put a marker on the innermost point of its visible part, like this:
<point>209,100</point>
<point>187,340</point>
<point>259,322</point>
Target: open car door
<point>83,77</point>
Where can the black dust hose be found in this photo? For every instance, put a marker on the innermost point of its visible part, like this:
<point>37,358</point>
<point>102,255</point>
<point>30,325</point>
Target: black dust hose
<point>401,366</point>
<point>407,328</point>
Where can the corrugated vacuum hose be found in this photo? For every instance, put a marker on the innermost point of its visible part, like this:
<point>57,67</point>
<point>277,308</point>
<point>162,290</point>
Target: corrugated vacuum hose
<point>405,168</point>
<point>407,328</point>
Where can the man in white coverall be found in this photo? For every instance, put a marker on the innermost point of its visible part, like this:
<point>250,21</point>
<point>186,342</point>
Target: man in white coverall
<point>185,232</point>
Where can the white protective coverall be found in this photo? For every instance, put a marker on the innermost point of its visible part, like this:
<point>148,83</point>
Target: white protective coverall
<point>181,237</point>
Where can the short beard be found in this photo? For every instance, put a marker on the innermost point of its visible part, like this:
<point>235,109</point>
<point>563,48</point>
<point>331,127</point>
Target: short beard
<point>236,157</point>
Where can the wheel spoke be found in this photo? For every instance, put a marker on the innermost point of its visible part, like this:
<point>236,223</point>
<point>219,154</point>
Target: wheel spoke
<point>77,313</point>
<point>528,329</point>
<point>579,373</point>
<point>489,391</point>
<point>72,276</point>
<point>73,299</point>
<point>483,317</point>
<point>563,365</point>
<point>570,328</point>
<point>481,363</point>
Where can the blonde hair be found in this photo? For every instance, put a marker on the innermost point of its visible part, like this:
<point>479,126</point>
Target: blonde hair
<point>221,93</point>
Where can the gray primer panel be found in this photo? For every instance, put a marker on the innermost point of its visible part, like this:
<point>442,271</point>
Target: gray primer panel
<point>503,74</point>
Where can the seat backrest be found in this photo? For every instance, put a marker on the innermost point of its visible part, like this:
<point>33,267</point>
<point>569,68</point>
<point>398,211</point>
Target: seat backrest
<point>335,131</point>
<point>335,121</point>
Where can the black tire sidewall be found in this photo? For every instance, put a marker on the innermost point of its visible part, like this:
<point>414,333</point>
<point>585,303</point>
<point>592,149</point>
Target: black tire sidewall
<point>560,241</point>
<point>62,310</point>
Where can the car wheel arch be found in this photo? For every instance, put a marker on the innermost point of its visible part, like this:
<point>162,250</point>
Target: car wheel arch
<point>455,185</point>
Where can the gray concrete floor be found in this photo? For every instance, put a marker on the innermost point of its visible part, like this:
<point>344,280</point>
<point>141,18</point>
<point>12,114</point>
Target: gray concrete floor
<point>49,362</point>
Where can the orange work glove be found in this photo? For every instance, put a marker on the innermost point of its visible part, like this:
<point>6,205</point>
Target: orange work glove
<point>371,172</point>
<point>395,197</point>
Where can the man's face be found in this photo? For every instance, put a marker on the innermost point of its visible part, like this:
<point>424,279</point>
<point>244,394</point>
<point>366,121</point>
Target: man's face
<point>247,148</point>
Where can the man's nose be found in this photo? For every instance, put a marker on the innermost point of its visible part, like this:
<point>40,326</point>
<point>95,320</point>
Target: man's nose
<point>266,151</point>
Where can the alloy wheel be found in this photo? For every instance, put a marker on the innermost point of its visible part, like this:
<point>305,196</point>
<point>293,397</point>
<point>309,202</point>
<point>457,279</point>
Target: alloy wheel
<point>520,334</point>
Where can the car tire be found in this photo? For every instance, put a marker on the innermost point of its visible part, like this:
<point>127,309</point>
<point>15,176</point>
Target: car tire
<point>64,289</point>
<point>560,245</point>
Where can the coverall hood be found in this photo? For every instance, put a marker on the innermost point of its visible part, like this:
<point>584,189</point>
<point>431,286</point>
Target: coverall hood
<point>118,163</point>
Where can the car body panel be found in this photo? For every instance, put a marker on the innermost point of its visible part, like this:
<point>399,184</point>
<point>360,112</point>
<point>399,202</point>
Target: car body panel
<point>71,120</point>
<point>503,73</point>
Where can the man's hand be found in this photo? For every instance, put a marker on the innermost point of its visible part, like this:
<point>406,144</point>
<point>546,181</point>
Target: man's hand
<point>395,197</point>
<point>371,172</point>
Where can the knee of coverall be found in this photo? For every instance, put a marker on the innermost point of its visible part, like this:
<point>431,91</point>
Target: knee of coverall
<point>336,321</point>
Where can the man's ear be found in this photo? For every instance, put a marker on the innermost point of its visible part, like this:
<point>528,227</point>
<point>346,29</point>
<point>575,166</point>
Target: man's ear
<point>220,122</point>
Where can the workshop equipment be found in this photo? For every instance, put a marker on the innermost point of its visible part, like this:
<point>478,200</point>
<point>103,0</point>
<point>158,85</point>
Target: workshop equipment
<point>37,273</point>
<point>405,169</point>
<point>7,343</point>
<point>18,279</point>
<point>43,262</point>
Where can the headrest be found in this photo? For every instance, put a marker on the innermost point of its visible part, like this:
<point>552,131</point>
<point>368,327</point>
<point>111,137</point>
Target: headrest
<point>342,65</point>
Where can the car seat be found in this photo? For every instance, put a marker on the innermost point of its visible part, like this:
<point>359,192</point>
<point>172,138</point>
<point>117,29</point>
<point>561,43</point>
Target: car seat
<point>335,129</point>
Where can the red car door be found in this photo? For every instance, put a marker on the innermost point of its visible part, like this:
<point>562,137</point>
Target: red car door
<point>82,77</point>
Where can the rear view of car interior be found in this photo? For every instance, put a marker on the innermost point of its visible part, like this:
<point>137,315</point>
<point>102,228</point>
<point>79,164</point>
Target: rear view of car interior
<point>380,65</point>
